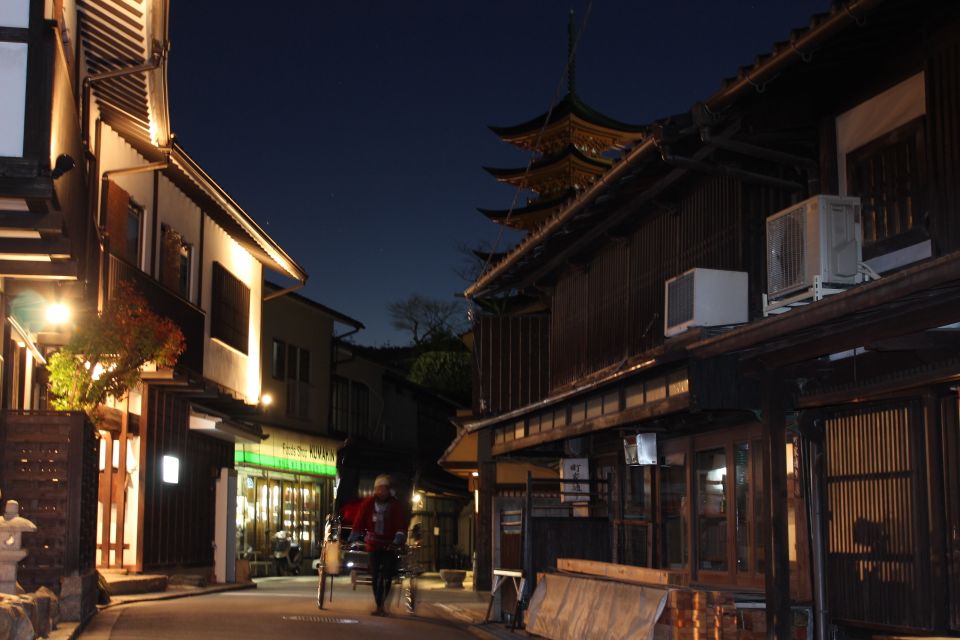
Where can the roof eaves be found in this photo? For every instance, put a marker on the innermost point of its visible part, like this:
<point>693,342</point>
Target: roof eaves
<point>241,217</point>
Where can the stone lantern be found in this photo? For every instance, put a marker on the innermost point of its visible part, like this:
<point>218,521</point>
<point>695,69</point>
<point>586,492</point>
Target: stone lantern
<point>12,526</point>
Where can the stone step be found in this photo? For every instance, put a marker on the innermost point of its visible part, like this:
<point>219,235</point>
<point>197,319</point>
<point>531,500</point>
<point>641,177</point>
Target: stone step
<point>121,585</point>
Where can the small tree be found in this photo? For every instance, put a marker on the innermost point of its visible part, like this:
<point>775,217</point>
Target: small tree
<point>445,371</point>
<point>425,318</point>
<point>106,353</point>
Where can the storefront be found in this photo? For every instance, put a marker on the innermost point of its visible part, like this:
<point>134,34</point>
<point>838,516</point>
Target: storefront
<point>284,483</point>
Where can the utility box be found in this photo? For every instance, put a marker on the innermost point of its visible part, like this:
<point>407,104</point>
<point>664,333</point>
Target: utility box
<point>704,298</point>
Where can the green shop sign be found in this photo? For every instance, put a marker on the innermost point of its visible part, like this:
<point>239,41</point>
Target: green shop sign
<point>285,464</point>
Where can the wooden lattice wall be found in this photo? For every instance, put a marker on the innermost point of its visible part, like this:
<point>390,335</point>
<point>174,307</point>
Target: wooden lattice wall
<point>49,465</point>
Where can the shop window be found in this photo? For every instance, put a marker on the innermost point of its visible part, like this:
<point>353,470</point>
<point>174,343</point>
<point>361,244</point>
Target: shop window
<point>229,309</point>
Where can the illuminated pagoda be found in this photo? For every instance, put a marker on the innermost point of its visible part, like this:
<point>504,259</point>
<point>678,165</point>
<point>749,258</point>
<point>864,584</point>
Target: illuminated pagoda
<point>575,145</point>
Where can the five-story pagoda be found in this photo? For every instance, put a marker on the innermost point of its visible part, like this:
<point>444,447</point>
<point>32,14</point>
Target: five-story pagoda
<point>574,145</point>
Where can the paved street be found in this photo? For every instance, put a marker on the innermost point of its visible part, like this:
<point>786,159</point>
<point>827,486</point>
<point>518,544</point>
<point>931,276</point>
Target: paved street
<point>279,608</point>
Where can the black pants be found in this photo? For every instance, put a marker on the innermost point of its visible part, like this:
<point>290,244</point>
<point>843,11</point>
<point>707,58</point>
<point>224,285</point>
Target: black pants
<point>383,568</point>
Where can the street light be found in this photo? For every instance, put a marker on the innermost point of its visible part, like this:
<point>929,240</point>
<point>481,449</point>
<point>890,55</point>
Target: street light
<point>58,313</point>
<point>266,400</point>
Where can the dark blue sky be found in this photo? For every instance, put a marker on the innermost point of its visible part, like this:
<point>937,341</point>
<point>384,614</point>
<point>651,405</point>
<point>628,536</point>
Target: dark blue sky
<point>355,131</point>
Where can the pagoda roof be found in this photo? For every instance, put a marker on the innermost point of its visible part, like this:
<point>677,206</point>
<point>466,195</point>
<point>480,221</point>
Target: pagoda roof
<point>569,155</point>
<point>533,214</point>
<point>570,105</point>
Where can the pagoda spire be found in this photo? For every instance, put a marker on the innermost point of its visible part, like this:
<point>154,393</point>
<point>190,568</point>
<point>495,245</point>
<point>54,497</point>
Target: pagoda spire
<point>571,56</point>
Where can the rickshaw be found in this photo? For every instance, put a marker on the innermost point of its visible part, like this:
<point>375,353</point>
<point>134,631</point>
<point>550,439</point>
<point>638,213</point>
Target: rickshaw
<point>335,559</point>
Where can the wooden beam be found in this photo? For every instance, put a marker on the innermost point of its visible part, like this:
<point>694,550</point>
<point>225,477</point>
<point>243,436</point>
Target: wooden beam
<point>625,573</point>
<point>27,220</point>
<point>57,246</point>
<point>65,270</point>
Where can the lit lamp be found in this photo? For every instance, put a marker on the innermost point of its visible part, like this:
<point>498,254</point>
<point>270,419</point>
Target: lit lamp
<point>266,400</point>
<point>58,313</point>
<point>171,469</point>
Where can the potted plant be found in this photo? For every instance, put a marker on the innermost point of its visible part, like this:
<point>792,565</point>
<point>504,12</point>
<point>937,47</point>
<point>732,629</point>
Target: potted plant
<point>456,571</point>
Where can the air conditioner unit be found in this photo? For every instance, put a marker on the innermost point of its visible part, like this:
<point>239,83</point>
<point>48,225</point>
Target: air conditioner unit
<point>819,238</point>
<point>704,298</point>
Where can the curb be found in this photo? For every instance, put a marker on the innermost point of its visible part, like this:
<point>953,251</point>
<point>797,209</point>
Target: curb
<point>117,601</point>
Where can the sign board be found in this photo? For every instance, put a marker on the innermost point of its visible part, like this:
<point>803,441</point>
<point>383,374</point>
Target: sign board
<point>640,449</point>
<point>577,472</point>
<point>290,451</point>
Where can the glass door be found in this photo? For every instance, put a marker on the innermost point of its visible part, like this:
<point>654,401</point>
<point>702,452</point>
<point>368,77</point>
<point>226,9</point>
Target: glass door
<point>712,520</point>
<point>673,507</point>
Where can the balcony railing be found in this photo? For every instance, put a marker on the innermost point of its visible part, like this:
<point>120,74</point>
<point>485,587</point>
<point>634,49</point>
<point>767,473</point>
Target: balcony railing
<point>165,303</point>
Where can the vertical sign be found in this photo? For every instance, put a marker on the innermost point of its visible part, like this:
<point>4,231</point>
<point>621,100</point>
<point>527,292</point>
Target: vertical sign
<point>577,472</point>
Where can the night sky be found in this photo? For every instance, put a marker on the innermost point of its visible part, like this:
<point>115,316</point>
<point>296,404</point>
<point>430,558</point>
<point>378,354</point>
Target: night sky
<point>354,132</point>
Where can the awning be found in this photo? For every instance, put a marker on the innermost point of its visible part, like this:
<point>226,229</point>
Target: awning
<point>223,428</point>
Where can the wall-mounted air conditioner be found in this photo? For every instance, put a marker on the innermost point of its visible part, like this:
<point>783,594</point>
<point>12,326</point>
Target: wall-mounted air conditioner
<point>704,298</point>
<point>817,242</point>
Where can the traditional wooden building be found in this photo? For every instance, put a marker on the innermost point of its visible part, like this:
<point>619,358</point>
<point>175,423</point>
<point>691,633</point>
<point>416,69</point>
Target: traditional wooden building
<point>765,288</point>
<point>94,190</point>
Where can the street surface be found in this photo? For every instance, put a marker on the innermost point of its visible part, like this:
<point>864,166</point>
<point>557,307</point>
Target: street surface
<point>278,608</point>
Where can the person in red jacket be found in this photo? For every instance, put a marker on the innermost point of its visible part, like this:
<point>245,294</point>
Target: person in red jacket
<point>382,522</point>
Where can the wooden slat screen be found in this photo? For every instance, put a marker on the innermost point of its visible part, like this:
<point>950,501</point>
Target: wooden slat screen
<point>612,309</point>
<point>511,360</point>
<point>229,309</point>
<point>875,546</point>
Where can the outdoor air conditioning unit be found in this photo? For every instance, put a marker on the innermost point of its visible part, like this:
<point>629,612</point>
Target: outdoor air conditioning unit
<point>814,243</point>
<point>704,298</point>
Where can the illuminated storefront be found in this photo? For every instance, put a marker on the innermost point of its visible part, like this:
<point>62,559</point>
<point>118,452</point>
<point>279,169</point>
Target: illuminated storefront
<point>284,483</point>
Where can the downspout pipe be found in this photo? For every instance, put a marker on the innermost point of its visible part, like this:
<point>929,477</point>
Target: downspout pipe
<point>155,61</point>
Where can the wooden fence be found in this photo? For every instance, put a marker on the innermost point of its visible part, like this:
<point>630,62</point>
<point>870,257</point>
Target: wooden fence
<point>49,465</point>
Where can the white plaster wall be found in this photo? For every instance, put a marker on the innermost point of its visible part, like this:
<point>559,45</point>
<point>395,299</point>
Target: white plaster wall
<point>880,114</point>
<point>221,363</point>
<point>115,153</point>
<point>178,211</point>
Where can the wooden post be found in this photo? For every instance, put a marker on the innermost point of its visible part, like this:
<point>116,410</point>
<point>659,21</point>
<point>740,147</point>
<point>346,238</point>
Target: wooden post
<point>487,482</point>
<point>778,558</point>
<point>121,493</point>
<point>142,470</point>
<point>936,523</point>
<point>106,499</point>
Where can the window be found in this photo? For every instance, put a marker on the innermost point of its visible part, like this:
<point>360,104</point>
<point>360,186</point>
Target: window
<point>175,260</point>
<point>339,410</point>
<point>279,359</point>
<point>14,22</point>
<point>360,407</point>
<point>230,309</point>
<point>887,174</point>
<point>134,226</point>
<point>715,482</point>
<point>298,382</point>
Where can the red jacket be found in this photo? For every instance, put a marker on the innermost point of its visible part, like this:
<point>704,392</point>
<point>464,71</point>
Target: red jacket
<point>395,521</point>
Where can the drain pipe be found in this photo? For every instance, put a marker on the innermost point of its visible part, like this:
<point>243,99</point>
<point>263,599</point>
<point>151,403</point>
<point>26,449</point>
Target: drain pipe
<point>814,469</point>
<point>155,61</point>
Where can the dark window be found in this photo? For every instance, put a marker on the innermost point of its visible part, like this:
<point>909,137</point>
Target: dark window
<point>134,224</point>
<point>340,412</point>
<point>230,309</point>
<point>887,174</point>
<point>298,382</point>
<point>175,261</point>
<point>360,405</point>
<point>279,359</point>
